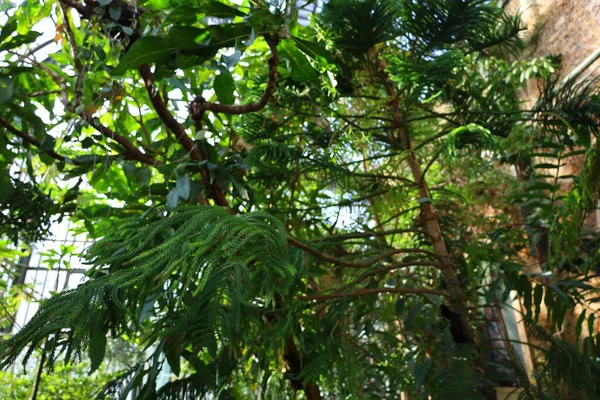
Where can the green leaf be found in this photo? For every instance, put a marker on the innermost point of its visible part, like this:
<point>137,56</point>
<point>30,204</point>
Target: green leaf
<point>87,143</point>
<point>6,186</point>
<point>173,198</point>
<point>20,40</point>
<point>153,49</point>
<point>48,143</point>
<point>158,4</point>
<point>142,176</point>
<point>6,89</point>
<point>224,87</point>
<point>300,68</point>
<point>183,186</point>
<point>97,349</point>
<point>399,307</point>
<point>115,13</point>
<point>46,159</point>
<point>422,371</point>
<point>313,49</point>
<point>174,360</point>
<point>412,314</point>
<point>579,325</point>
<point>219,10</point>
<point>98,174</point>
<point>183,39</point>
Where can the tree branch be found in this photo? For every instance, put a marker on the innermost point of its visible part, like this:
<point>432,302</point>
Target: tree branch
<point>84,10</point>
<point>363,264</point>
<point>358,235</point>
<point>178,130</point>
<point>32,140</point>
<point>165,116</point>
<point>134,152</point>
<point>71,40</point>
<point>365,292</point>
<point>199,105</point>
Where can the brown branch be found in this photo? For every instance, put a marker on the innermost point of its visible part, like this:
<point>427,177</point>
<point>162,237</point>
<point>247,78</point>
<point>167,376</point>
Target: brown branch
<point>33,141</point>
<point>44,93</point>
<point>133,151</point>
<point>71,39</point>
<point>358,235</point>
<point>178,130</point>
<point>85,11</point>
<point>199,105</point>
<point>399,265</point>
<point>365,292</point>
<point>388,268</point>
<point>165,116</point>
<point>362,264</point>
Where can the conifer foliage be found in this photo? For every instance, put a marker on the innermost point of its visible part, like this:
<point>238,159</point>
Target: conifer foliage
<point>291,211</point>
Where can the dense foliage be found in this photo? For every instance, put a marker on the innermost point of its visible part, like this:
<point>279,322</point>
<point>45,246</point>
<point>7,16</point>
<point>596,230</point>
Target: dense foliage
<point>321,210</point>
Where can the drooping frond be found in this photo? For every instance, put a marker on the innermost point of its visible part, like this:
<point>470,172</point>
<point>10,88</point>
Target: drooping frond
<point>589,184</point>
<point>358,25</point>
<point>470,136</point>
<point>436,24</point>
<point>564,362</point>
<point>215,264</point>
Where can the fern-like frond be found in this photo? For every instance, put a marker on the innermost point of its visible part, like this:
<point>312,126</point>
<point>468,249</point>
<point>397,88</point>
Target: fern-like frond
<point>358,25</point>
<point>563,362</point>
<point>471,136</point>
<point>214,263</point>
<point>436,24</point>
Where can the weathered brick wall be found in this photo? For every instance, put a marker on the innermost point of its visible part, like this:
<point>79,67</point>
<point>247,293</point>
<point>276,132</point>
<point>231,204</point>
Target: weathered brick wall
<point>567,27</point>
<point>570,28</point>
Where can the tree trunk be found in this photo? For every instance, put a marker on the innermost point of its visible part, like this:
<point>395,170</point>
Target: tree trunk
<point>455,311</point>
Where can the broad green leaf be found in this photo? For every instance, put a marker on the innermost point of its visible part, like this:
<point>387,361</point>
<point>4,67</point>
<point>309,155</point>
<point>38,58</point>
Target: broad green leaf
<point>6,89</point>
<point>399,306</point>
<point>219,10</point>
<point>579,324</point>
<point>422,371</point>
<point>183,186</point>
<point>97,349</point>
<point>6,186</point>
<point>224,87</point>
<point>143,176</point>
<point>412,315</point>
<point>300,68</point>
<point>173,198</point>
<point>158,4</point>
<point>184,39</point>
<point>313,49</point>
<point>48,143</point>
<point>115,13</point>
<point>19,40</point>
<point>174,359</point>
<point>154,49</point>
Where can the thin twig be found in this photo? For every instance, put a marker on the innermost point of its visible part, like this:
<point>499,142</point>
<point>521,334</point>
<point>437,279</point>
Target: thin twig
<point>366,292</point>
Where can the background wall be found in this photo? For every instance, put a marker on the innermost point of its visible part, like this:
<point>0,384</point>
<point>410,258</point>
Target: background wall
<point>567,27</point>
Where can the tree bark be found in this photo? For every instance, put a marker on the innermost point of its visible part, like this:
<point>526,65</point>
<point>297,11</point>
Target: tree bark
<point>456,311</point>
